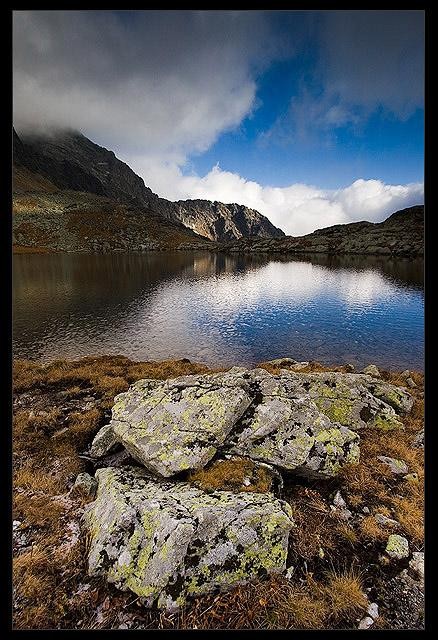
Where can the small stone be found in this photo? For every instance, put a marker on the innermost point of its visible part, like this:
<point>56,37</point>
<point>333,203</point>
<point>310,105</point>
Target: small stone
<point>397,547</point>
<point>398,467</point>
<point>350,368</point>
<point>339,501</point>
<point>410,383</point>
<point>246,482</point>
<point>405,374</point>
<point>365,510</point>
<point>103,442</point>
<point>373,610</point>
<point>366,623</point>
<point>372,370</point>
<point>16,524</point>
<point>289,572</point>
<point>385,521</point>
<point>411,477</point>
<point>85,485</point>
<point>419,440</point>
<point>416,564</point>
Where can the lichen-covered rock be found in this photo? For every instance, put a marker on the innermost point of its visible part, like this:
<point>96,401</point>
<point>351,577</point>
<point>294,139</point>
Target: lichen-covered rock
<point>178,424</point>
<point>167,541</point>
<point>398,467</point>
<point>297,437</point>
<point>397,547</point>
<point>354,400</point>
<point>302,422</point>
<point>372,370</point>
<point>104,441</point>
<point>418,441</point>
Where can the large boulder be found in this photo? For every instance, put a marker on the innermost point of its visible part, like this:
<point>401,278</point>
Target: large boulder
<point>303,422</point>
<point>179,424</point>
<point>167,541</point>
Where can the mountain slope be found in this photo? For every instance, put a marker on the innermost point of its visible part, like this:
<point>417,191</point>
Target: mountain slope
<point>401,234</point>
<point>72,161</point>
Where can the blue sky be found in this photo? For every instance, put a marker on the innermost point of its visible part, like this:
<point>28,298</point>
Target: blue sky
<point>312,117</point>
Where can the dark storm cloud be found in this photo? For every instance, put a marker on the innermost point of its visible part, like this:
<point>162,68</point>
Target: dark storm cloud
<point>164,81</point>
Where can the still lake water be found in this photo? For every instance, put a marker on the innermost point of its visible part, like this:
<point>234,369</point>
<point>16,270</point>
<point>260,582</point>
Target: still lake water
<point>218,309</point>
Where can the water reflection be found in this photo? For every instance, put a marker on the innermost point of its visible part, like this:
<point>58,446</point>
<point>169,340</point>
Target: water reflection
<point>219,309</point>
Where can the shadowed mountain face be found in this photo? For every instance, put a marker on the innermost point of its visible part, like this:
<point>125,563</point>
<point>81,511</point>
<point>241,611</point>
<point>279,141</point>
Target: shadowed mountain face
<point>402,234</point>
<point>73,162</point>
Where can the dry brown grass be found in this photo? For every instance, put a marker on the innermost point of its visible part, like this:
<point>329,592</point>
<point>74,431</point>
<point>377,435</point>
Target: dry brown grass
<point>229,475</point>
<point>344,593</point>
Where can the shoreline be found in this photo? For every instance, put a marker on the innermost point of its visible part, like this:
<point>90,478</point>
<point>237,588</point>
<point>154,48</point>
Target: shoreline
<point>58,409</point>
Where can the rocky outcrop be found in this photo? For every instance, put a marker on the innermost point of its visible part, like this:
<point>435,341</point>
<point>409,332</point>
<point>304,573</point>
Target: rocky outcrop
<point>74,163</point>
<point>301,422</point>
<point>167,542</point>
<point>223,222</point>
<point>402,234</point>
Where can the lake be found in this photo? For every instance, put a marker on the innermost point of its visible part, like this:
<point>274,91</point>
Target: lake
<point>219,309</point>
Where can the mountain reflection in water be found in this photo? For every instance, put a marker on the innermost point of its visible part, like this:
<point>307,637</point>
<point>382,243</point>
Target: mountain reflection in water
<point>219,309</point>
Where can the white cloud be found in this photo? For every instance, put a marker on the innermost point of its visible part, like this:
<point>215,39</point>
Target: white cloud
<point>297,209</point>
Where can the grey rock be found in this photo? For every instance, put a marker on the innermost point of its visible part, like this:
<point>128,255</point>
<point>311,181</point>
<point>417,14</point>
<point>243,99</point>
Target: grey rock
<point>366,622</point>
<point>398,467</point>
<point>385,521</point>
<point>373,610</point>
<point>179,424</point>
<point>419,440</point>
<point>365,510</point>
<point>168,542</point>
<point>350,368</point>
<point>302,422</point>
<point>416,564</point>
<point>85,485</point>
<point>411,383</point>
<point>372,370</point>
<point>104,441</point>
<point>397,547</point>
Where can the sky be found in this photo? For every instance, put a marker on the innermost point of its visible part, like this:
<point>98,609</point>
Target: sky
<point>313,118</point>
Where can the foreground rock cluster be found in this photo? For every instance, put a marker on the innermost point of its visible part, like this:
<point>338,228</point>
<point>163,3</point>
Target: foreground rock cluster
<point>154,532</point>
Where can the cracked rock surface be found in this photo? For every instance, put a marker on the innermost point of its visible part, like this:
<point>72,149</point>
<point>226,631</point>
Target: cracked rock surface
<point>302,422</point>
<point>169,541</point>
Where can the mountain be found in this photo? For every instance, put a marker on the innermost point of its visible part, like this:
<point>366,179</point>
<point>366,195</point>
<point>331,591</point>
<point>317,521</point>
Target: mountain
<point>402,234</point>
<point>73,162</point>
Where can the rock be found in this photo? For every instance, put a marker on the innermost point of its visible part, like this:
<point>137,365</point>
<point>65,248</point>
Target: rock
<point>397,547</point>
<point>373,610</point>
<point>418,441</point>
<point>339,501</point>
<point>398,467</point>
<point>416,565</point>
<point>366,623</point>
<point>385,521</point>
<point>104,441</point>
<point>168,541</point>
<point>85,485</point>
<point>405,374</point>
<point>16,524</point>
<point>302,422</point>
<point>178,424</point>
<point>411,477</point>
<point>410,383</point>
<point>350,368</point>
<point>296,437</point>
<point>372,370</point>
<point>365,510</point>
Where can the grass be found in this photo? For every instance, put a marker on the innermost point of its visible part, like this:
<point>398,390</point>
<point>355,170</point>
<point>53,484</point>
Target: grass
<point>230,475</point>
<point>52,428</point>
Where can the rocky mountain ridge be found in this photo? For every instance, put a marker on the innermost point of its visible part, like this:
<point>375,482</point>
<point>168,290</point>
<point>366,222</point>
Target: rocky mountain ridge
<point>73,162</point>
